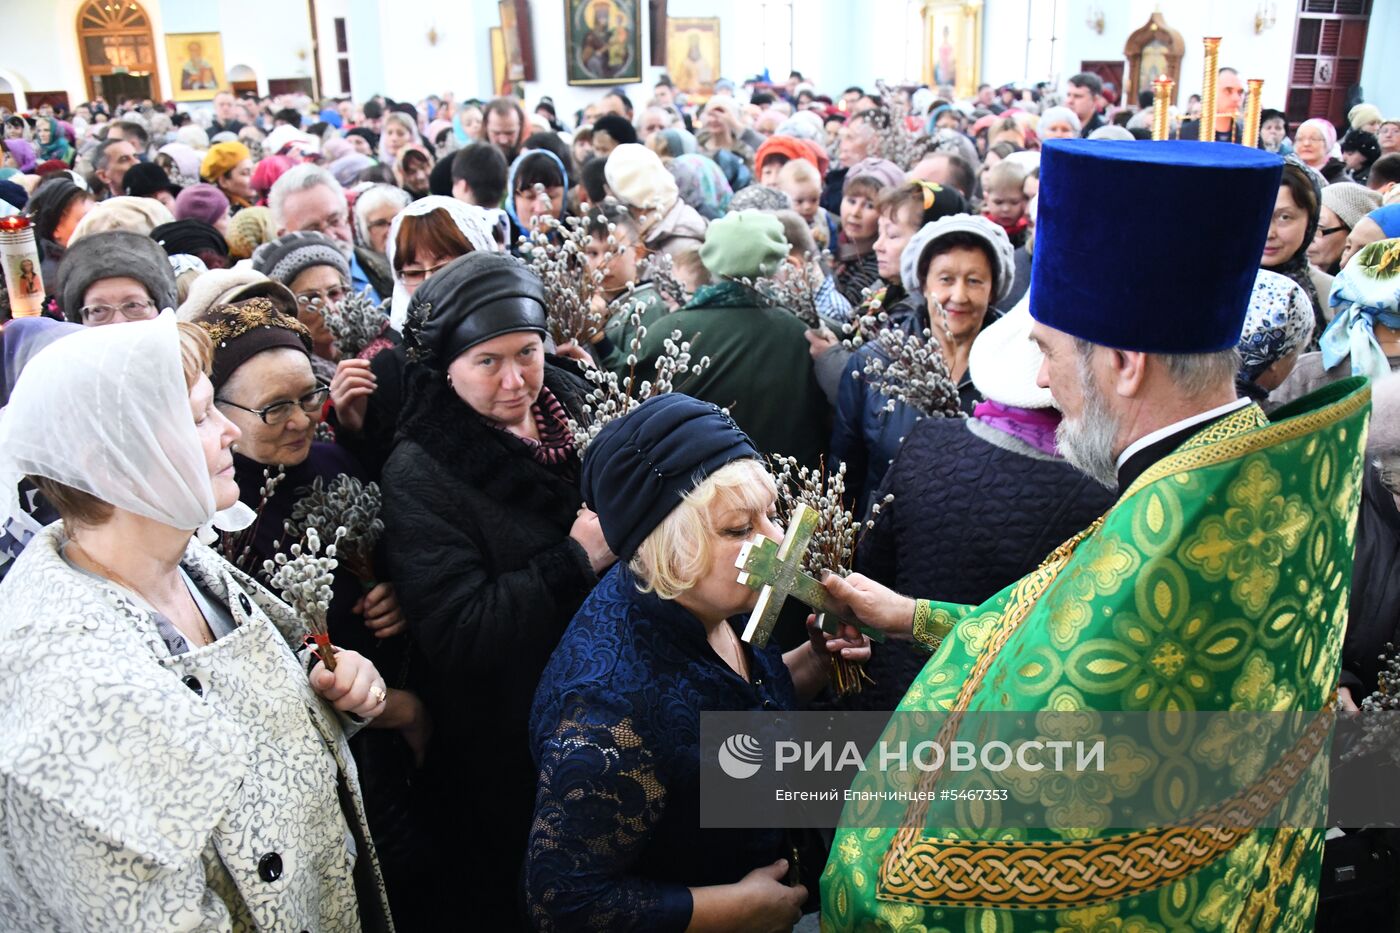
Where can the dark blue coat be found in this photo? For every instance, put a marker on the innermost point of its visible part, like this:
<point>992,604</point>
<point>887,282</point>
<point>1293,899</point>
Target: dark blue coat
<point>615,731</point>
<point>869,427</point>
<point>974,509</point>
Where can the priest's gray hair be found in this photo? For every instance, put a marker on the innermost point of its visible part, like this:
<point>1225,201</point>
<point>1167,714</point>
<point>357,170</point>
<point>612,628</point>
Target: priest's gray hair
<point>1193,373</point>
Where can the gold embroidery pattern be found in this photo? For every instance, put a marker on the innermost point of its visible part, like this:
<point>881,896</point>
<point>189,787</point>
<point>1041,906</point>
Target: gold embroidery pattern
<point>1224,441</point>
<point>1023,598</point>
<point>931,624</point>
<point>1059,874</point>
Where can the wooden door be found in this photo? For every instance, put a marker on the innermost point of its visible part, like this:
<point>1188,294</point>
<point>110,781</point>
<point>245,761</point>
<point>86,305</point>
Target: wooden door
<point>1328,44</point>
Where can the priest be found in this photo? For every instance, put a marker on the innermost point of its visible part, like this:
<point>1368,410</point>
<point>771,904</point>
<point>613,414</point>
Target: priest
<point>1218,580</point>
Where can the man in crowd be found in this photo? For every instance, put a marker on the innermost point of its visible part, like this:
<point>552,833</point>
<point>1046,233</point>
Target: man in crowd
<point>1082,97</point>
<point>307,197</point>
<point>1229,98</point>
<point>504,126</point>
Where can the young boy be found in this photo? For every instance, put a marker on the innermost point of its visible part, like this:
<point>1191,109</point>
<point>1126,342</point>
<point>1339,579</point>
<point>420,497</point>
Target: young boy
<point>1004,200</point>
<point>802,183</point>
<point>690,271</point>
<point>612,347</point>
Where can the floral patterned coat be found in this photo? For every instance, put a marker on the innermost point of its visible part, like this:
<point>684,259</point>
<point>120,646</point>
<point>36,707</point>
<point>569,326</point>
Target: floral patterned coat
<point>211,790</point>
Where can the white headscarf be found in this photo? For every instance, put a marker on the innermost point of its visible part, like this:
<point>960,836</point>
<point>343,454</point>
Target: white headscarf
<point>126,435</point>
<point>476,224</point>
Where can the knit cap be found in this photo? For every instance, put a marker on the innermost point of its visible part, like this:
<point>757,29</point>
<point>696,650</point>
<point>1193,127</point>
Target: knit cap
<point>639,179</point>
<point>111,255</point>
<point>744,244</point>
<point>201,202</point>
<point>1350,201</point>
<point>289,255</point>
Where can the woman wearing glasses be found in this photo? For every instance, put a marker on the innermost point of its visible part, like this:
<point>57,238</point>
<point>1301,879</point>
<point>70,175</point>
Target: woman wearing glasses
<point>316,269</point>
<point>263,383</point>
<point>110,278</point>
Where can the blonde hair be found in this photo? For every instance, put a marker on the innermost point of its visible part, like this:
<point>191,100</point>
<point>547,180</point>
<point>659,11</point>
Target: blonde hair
<point>688,261</point>
<point>799,172</point>
<point>1005,175</point>
<point>676,554</point>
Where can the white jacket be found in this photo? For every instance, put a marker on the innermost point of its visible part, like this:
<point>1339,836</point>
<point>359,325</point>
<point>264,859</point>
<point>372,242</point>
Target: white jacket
<point>142,791</point>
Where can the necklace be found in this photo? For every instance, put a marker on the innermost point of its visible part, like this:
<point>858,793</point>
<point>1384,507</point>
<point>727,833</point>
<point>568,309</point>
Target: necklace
<point>740,665</point>
<point>201,634</point>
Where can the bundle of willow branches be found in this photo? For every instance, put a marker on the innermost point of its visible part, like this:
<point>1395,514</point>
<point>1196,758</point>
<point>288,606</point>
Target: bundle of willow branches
<point>352,508</point>
<point>356,323</point>
<point>838,533</point>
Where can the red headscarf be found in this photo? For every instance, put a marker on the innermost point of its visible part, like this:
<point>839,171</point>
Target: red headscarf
<point>789,146</point>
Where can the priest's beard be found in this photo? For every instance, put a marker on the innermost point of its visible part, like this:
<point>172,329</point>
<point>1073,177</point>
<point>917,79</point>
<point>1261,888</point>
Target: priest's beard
<point>1087,441</point>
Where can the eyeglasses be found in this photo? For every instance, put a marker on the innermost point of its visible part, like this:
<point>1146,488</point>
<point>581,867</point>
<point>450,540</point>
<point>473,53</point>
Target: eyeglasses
<point>324,224</point>
<point>128,311</point>
<point>1328,231</point>
<point>277,413</point>
<point>419,276</point>
<point>330,296</point>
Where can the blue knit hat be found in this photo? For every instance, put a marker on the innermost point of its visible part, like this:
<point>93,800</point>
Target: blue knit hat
<point>641,465</point>
<point>1180,282</point>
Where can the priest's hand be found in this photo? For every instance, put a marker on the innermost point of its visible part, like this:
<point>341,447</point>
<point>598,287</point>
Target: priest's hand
<point>354,686</point>
<point>351,387</point>
<point>877,606</point>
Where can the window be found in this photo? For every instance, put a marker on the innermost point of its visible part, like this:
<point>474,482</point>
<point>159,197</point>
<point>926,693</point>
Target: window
<point>1042,40</point>
<point>775,17</point>
<point>342,51</point>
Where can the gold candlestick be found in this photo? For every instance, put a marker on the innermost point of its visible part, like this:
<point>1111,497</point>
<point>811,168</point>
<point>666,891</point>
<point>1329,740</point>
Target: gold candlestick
<point>1252,108</point>
<point>1208,84</point>
<point>1161,103</point>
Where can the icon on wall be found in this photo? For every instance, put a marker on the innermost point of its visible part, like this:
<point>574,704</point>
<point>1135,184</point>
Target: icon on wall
<point>196,64</point>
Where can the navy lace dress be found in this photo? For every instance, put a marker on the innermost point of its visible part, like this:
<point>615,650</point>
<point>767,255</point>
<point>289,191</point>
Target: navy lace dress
<point>615,731</point>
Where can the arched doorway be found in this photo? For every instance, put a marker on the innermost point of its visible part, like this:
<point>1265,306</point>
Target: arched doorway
<point>118,50</point>
<point>242,81</point>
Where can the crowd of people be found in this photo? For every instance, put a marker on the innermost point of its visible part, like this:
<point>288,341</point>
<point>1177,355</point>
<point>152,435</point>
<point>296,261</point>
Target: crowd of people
<point>250,303</point>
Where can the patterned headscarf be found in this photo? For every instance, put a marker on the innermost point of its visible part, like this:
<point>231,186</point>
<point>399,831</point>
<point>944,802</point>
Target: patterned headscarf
<point>702,185</point>
<point>1365,293</point>
<point>1279,321</point>
<point>1297,267</point>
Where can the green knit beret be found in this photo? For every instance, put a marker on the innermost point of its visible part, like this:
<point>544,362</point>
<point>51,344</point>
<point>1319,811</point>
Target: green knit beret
<point>744,244</point>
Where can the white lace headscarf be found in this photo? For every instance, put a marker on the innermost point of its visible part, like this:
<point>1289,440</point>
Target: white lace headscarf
<point>106,411</point>
<point>476,224</point>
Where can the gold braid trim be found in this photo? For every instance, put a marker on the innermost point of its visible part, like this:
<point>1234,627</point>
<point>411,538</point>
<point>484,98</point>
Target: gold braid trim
<point>1059,874</point>
<point>931,624</point>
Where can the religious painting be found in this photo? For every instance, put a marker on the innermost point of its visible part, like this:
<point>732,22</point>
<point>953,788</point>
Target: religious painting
<point>196,64</point>
<point>603,41</point>
<point>500,75</point>
<point>953,45</point>
<point>1154,49</point>
<point>519,45</point>
<point>692,56</point>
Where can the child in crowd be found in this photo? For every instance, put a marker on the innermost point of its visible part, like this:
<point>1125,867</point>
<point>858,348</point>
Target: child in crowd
<point>612,346</point>
<point>1004,200</point>
<point>802,183</point>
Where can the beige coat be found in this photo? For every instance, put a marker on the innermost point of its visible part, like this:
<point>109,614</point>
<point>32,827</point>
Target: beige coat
<point>211,790</point>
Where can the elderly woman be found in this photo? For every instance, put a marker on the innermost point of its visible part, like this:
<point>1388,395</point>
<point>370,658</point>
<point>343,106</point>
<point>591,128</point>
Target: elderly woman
<point>490,547</point>
<point>229,166</point>
<point>615,728</point>
<point>264,384</point>
<point>960,266</point>
<point>1059,123</point>
<point>640,181</point>
<point>1314,143</point>
<point>110,278</point>
<point>375,210</point>
<point>1383,223</point>
<point>200,776</point>
<point>53,145</point>
<point>1291,231</point>
<point>1277,328</point>
<point>315,268</point>
<point>1343,205</point>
